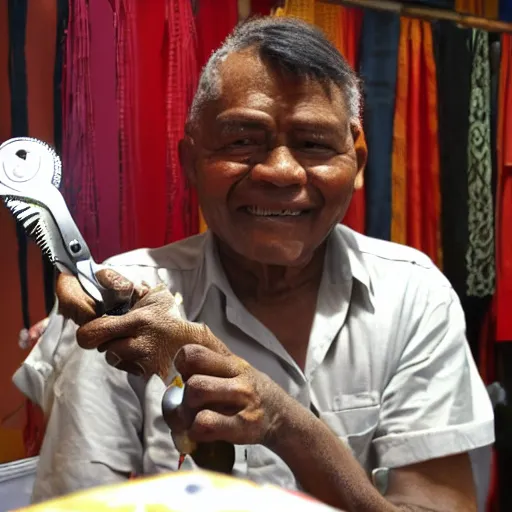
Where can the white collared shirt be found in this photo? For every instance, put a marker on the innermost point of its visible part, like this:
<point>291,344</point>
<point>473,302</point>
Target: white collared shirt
<point>388,368</point>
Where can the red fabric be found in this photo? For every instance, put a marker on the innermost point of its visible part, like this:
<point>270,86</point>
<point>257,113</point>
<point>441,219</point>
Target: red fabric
<point>78,153</point>
<point>33,432</point>
<point>492,503</point>
<point>212,29</point>
<point>504,197</point>
<point>182,75</point>
<point>103,91</point>
<point>351,22</point>
<point>261,7</point>
<point>126,69</point>
<point>150,181</point>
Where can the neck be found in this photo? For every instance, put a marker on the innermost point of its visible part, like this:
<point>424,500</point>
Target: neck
<point>255,281</point>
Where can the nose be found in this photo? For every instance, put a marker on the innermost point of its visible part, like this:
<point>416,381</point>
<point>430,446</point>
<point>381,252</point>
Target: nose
<point>280,168</point>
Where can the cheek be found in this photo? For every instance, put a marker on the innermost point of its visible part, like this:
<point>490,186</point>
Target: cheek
<point>214,181</point>
<point>336,184</point>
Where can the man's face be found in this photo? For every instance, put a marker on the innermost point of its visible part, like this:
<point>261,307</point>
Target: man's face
<point>274,160</point>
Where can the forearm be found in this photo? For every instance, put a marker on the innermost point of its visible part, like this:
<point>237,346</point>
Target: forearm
<point>324,466</point>
<point>326,469</point>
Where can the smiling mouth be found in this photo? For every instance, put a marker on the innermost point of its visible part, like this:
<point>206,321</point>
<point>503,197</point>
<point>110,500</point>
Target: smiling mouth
<point>263,212</point>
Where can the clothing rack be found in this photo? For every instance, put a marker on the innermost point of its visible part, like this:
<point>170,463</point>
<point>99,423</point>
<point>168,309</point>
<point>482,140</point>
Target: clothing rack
<point>428,13</point>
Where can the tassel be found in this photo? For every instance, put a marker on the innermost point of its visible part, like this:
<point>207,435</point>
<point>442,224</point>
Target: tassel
<point>182,76</point>
<point>79,184</point>
<point>124,15</point>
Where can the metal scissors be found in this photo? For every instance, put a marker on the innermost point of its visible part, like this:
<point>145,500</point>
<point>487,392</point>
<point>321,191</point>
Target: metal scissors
<point>30,177</point>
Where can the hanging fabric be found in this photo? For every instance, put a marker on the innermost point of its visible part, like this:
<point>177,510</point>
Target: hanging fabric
<point>104,105</point>
<point>150,177</point>
<point>504,197</point>
<point>351,25</point>
<point>19,124</point>
<point>210,36</point>
<point>78,154</point>
<point>453,65</point>
<point>351,21</point>
<point>415,159</point>
<point>484,8</point>
<point>261,7</point>
<point>505,13</point>
<point>127,106</point>
<point>480,251</point>
<point>182,76</point>
<point>378,69</point>
<point>303,9</point>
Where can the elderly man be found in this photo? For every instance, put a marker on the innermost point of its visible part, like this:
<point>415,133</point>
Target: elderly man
<point>323,355</point>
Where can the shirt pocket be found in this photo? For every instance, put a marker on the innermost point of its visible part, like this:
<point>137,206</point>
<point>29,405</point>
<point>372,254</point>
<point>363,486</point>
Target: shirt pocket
<point>356,428</point>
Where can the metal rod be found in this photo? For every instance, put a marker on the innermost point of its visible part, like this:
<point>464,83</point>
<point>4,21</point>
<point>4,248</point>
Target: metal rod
<point>428,13</point>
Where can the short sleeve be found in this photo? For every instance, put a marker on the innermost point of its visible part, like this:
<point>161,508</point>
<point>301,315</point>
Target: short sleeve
<point>435,404</point>
<point>94,416</point>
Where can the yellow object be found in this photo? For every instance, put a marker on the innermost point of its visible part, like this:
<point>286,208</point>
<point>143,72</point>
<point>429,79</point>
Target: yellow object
<point>303,9</point>
<point>202,223</point>
<point>183,491</point>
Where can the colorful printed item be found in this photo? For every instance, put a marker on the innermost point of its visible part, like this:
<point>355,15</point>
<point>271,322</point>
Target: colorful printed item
<point>196,491</point>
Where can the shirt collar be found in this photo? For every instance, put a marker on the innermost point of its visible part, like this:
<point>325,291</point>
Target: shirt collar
<point>343,261</point>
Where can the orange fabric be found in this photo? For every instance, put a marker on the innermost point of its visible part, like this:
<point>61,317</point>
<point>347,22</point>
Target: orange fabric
<point>486,8</point>
<point>474,7</point>
<point>40,52</point>
<point>504,197</point>
<point>40,58</point>
<point>415,160</point>
<point>399,156</point>
<point>328,18</point>
<point>303,9</point>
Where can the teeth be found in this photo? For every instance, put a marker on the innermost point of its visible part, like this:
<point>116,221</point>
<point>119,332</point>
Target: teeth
<point>261,212</point>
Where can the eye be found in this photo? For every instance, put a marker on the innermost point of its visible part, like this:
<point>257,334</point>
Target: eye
<point>240,143</point>
<point>315,146</point>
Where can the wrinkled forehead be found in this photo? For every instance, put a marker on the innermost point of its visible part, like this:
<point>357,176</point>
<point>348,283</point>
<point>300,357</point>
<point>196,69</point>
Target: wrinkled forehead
<point>246,81</point>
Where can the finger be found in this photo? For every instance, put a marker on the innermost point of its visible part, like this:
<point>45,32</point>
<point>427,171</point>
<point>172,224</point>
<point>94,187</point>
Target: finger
<point>203,392</point>
<point>74,302</point>
<point>221,394</point>
<point>112,280</point>
<point>194,359</point>
<point>209,426</point>
<point>108,328</point>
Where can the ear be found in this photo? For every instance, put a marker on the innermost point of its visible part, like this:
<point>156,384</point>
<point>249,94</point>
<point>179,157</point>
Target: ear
<point>361,153</point>
<point>186,150</point>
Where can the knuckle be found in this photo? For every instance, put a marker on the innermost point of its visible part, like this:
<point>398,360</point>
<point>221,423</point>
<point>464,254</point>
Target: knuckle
<point>194,390</point>
<point>143,315</point>
<point>204,422</point>
<point>245,390</point>
<point>188,357</point>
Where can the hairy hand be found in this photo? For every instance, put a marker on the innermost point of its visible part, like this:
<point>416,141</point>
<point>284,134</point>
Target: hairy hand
<point>226,399</point>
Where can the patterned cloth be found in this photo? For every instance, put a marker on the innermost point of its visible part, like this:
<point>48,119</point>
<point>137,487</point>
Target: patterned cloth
<point>480,251</point>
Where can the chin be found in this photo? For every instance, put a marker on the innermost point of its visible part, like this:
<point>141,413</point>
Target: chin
<point>278,253</point>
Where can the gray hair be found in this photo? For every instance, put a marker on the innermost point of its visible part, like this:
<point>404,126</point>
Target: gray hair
<point>289,43</point>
